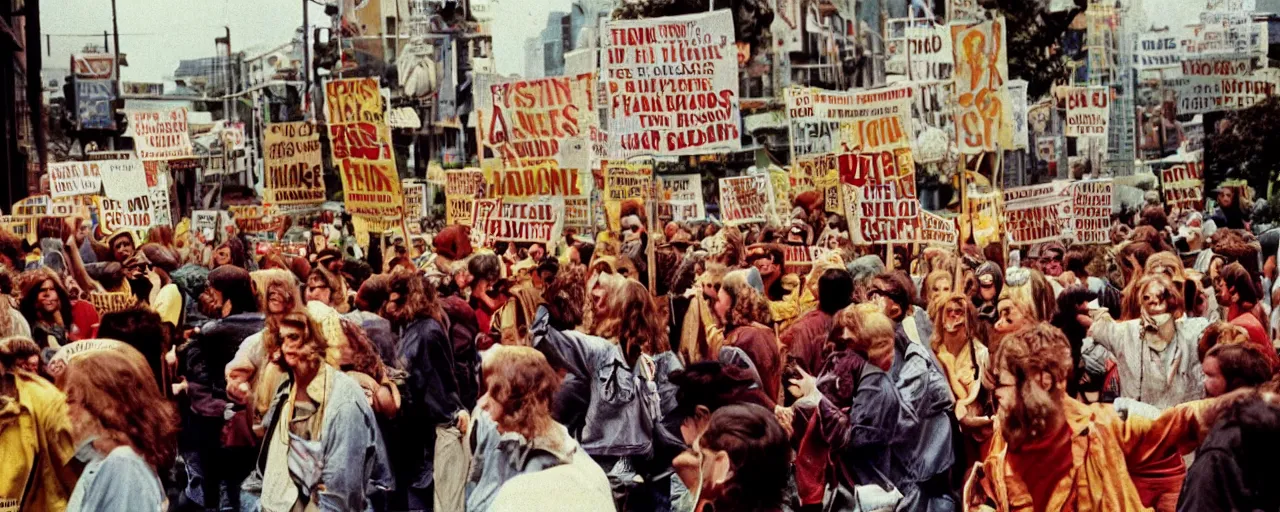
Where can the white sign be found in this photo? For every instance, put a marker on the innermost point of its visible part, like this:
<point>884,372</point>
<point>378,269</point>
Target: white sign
<point>673,85</point>
<point>68,179</point>
<point>1088,111</point>
<point>123,179</point>
<point>681,198</point>
<point>161,134</point>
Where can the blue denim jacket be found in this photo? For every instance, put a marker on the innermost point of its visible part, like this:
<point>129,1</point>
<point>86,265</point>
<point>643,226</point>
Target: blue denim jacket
<point>498,457</point>
<point>616,423</point>
<point>923,448</point>
<point>355,465</point>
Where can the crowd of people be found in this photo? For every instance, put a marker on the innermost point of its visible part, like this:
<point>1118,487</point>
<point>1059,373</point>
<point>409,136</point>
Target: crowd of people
<point>691,368</point>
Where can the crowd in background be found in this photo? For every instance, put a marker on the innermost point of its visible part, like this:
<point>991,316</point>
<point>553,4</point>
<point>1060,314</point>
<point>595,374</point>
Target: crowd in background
<point>685,367</point>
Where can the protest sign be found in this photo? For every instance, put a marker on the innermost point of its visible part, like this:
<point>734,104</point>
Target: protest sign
<point>800,258</point>
<point>160,134</point>
<point>780,191</point>
<point>533,135</point>
<point>1039,213</point>
<point>577,212</point>
<point>257,219</point>
<point>1182,183</point>
<point>539,220</point>
<point>983,221</point>
<point>362,150</point>
<point>68,207</point>
<point>1088,110</point>
<point>1211,85</point>
<point>32,206</point>
<point>880,196</point>
<point>161,208</point>
<point>982,114</point>
<point>292,173</point>
<point>204,223</point>
<point>1091,204</point>
<point>93,104</point>
<point>132,214</point>
<point>624,182</point>
<point>415,200</point>
<point>67,179</point>
<point>823,122</point>
<point>460,191</point>
<point>672,84</point>
<point>123,179</point>
<point>1018,104</point>
<point>111,302</point>
<point>1155,50</point>
<point>21,226</point>
<point>745,199</point>
<point>920,50</point>
<point>680,198</point>
<point>93,66</point>
<point>937,230</point>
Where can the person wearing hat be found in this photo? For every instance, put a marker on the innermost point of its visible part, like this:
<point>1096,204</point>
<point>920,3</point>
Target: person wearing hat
<point>120,246</point>
<point>453,243</point>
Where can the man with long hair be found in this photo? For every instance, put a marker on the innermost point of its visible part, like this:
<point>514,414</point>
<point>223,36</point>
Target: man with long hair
<point>806,339</point>
<point>321,449</point>
<point>431,405</point>
<point>1049,446</point>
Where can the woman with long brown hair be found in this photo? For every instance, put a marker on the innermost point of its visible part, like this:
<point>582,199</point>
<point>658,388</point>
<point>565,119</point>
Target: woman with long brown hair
<point>516,408</point>
<point>118,411</point>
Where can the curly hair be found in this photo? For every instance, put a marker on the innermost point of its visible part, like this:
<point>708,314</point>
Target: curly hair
<point>417,296</point>
<point>299,319</point>
<point>1026,354</point>
<point>1131,305</point>
<point>281,280</point>
<point>117,388</point>
<point>632,318</point>
<point>565,298</point>
<point>364,357</point>
<point>749,305</point>
<point>523,384</point>
<point>1220,333</point>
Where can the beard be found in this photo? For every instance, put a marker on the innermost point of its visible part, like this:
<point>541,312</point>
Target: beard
<point>1030,419</point>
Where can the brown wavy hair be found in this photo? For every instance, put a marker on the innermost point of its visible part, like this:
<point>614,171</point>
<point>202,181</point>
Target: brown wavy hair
<point>117,388</point>
<point>418,297</point>
<point>1027,353</point>
<point>632,318</point>
<point>749,305</point>
<point>1131,303</point>
<point>522,382</point>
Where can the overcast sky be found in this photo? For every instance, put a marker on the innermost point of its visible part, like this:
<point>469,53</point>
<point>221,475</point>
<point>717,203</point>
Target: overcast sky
<point>156,34</point>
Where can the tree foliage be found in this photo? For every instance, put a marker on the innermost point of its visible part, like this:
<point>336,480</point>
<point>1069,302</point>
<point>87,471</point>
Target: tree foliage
<point>1245,147</point>
<point>1034,41</point>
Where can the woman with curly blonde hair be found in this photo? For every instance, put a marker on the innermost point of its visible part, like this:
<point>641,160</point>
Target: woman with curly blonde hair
<point>115,407</point>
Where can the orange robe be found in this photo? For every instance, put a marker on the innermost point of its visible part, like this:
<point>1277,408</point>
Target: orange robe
<point>1103,447</point>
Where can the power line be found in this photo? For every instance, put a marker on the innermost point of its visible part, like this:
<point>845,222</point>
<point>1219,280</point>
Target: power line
<point>100,35</point>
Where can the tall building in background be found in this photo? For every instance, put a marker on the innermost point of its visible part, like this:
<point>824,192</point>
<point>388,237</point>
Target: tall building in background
<point>556,39</point>
<point>21,100</point>
<point>534,66</point>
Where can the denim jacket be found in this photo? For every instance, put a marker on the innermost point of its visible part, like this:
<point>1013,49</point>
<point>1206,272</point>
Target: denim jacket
<point>616,422</point>
<point>355,458</point>
<point>923,448</point>
<point>500,457</point>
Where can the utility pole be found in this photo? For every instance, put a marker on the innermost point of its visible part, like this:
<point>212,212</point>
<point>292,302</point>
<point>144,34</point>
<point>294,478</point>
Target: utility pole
<point>115,35</point>
<point>306,50</point>
<point>226,93</point>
